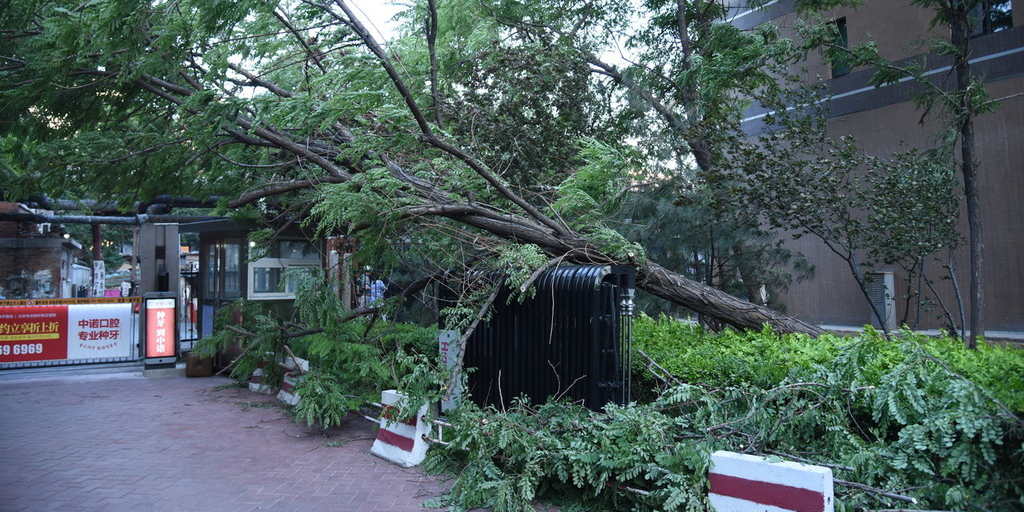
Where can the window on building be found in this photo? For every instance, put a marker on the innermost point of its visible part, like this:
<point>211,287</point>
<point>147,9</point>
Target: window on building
<point>990,16</point>
<point>841,64</point>
<point>268,276</point>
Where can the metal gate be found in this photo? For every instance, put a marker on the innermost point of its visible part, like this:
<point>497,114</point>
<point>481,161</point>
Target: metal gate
<point>572,340</point>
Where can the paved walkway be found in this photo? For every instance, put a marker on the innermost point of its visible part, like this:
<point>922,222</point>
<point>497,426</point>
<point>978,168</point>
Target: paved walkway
<point>124,442</point>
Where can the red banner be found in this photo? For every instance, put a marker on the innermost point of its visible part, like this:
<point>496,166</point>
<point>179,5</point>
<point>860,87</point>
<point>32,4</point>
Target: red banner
<point>75,331</point>
<point>33,333</point>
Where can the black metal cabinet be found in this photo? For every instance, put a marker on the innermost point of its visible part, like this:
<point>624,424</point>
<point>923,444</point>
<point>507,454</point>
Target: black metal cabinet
<point>571,340</point>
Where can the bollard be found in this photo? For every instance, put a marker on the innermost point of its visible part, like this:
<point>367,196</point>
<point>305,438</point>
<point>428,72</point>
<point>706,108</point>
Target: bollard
<point>400,441</point>
<point>745,483</point>
<point>256,384</point>
<point>297,367</point>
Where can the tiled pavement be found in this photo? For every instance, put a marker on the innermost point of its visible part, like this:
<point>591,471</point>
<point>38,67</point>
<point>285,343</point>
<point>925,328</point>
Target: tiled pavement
<point>125,442</point>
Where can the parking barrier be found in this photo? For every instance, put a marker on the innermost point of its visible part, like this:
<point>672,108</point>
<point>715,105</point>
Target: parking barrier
<point>401,441</point>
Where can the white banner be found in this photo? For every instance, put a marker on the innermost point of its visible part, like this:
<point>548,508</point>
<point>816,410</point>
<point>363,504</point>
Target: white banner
<point>100,331</point>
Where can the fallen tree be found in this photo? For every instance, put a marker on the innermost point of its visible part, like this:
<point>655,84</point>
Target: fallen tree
<point>280,107</point>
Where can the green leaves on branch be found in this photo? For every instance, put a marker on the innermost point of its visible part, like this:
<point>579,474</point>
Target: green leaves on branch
<point>592,194</point>
<point>916,418</point>
<point>351,360</point>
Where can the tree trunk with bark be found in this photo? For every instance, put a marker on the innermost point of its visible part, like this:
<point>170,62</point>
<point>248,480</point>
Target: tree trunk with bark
<point>960,37</point>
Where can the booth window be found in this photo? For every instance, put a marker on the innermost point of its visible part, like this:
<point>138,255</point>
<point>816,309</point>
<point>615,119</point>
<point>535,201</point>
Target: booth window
<point>269,278</point>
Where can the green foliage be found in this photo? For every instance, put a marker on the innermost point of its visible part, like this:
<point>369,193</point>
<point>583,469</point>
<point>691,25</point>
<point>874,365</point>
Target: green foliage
<point>998,370</point>
<point>595,187</point>
<point>693,354</point>
<point>351,360</point>
<point>519,262</point>
<point>764,359</point>
<point>918,418</point>
<point>594,192</point>
<point>326,398</point>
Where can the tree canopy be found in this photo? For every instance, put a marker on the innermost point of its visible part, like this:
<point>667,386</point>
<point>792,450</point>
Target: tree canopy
<point>507,132</point>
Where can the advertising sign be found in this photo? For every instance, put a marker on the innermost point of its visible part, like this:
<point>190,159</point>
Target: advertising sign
<point>33,333</point>
<point>160,329</point>
<point>100,331</point>
<point>54,332</point>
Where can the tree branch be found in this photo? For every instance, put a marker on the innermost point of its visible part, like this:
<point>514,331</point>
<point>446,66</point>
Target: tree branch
<point>431,33</point>
<point>427,133</point>
<point>274,189</point>
<point>317,59</point>
<point>453,381</point>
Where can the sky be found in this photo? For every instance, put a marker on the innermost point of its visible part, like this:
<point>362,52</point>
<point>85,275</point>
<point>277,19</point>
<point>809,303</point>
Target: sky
<point>376,15</point>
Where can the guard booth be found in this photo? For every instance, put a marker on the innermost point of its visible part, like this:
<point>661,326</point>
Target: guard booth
<point>572,340</point>
<point>227,272</point>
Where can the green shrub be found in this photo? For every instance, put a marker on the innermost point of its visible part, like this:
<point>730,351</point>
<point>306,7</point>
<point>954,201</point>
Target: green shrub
<point>997,369</point>
<point>917,416</point>
<point>761,359</point>
<point>351,359</point>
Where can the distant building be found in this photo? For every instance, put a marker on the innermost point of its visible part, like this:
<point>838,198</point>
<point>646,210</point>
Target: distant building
<point>36,260</point>
<point>883,119</point>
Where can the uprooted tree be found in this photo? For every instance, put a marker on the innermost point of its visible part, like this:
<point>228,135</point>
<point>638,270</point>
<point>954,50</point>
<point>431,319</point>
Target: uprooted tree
<point>294,109</point>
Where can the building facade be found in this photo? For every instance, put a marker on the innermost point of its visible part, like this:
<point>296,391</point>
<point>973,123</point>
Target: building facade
<point>36,260</point>
<point>885,120</point>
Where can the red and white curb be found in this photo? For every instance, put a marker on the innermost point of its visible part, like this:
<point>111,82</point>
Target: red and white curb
<point>400,441</point>
<point>288,395</point>
<point>296,367</point>
<point>745,483</point>
<point>256,384</point>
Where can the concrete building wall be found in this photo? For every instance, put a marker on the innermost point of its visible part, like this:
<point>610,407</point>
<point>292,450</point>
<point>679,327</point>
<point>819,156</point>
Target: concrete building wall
<point>884,120</point>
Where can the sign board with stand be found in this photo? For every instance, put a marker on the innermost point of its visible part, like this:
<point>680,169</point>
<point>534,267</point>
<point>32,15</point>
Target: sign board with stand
<point>160,329</point>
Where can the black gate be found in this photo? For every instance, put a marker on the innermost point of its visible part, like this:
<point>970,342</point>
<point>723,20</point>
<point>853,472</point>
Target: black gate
<point>571,340</point>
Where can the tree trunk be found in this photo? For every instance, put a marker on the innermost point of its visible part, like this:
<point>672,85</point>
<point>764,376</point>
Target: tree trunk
<point>652,277</point>
<point>960,37</point>
<point>706,300</point>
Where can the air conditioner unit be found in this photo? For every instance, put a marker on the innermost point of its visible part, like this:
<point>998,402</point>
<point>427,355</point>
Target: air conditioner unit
<point>882,291</point>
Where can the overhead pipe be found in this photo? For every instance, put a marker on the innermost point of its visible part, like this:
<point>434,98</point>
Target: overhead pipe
<point>93,206</point>
<point>134,220</point>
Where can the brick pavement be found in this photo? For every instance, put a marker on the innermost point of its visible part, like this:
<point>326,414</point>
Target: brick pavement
<point>124,442</point>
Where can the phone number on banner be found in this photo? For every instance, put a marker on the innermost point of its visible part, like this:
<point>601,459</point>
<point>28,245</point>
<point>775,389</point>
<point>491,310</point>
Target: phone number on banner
<point>22,348</point>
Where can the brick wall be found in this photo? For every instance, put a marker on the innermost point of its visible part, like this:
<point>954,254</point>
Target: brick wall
<point>29,263</point>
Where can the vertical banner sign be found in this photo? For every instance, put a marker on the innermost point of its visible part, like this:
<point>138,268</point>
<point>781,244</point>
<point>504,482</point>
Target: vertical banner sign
<point>447,341</point>
<point>33,333</point>
<point>99,278</point>
<point>160,329</point>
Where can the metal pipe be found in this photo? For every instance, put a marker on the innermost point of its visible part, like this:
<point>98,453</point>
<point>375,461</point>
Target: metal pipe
<point>94,206</point>
<point>434,441</point>
<point>135,220</point>
<point>367,418</point>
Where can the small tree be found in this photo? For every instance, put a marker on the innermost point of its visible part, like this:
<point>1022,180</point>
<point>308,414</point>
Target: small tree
<point>869,211</point>
<point>959,105</point>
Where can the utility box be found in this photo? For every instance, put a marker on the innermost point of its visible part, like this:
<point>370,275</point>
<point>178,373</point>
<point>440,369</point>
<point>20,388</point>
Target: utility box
<point>572,340</point>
